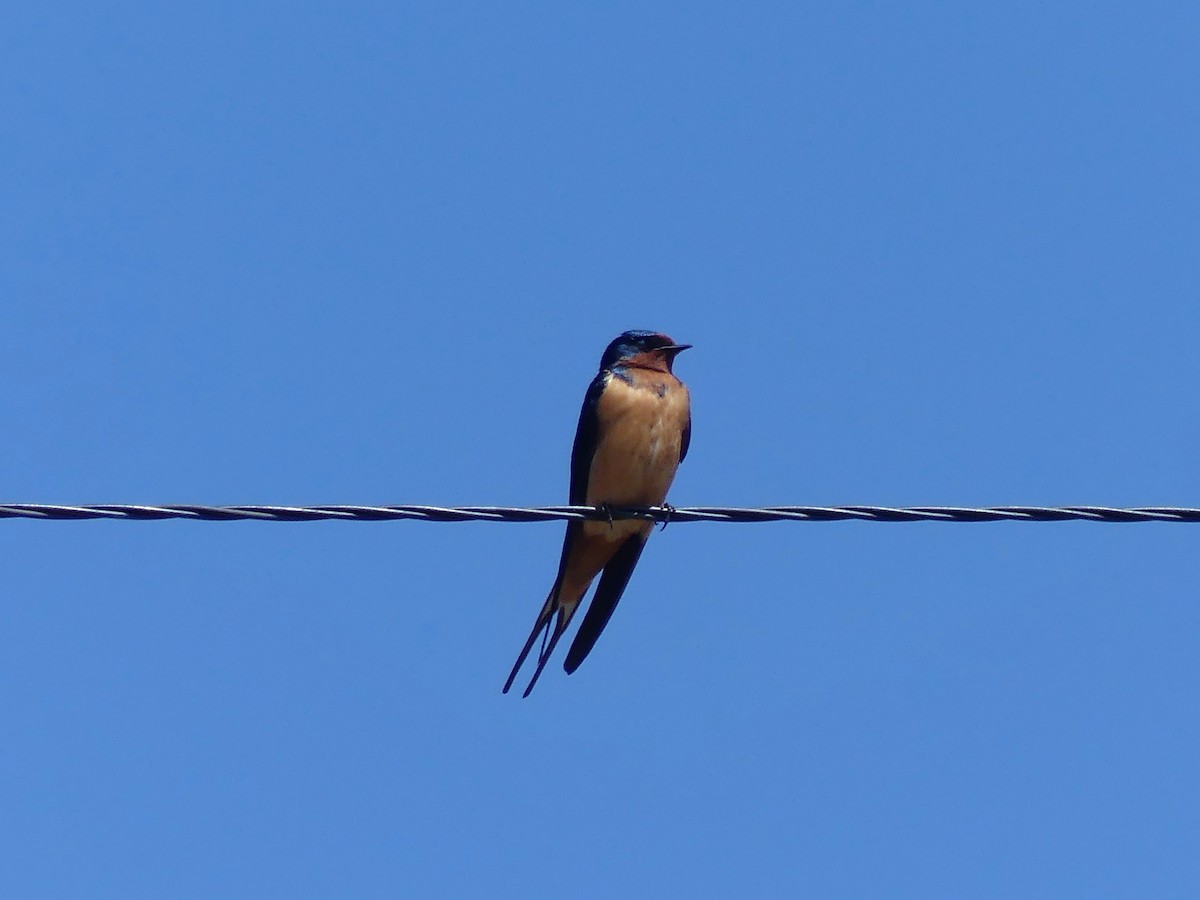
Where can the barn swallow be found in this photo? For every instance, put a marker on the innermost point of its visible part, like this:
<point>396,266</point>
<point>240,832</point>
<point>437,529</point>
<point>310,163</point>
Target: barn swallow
<point>633,433</point>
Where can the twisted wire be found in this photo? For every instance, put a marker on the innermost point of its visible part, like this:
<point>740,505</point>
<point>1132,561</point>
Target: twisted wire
<point>659,514</point>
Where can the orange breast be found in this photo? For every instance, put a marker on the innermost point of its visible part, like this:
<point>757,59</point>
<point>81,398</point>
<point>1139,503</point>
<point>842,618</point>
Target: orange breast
<point>641,432</point>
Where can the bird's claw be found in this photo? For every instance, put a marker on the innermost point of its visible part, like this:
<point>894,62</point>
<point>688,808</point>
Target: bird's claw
<point>607,509</point>
<point>667,509</point>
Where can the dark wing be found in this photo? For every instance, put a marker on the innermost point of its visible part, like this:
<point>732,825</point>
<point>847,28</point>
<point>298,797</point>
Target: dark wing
<point>686,440</point>
<point>549,624</point>
<point>586,435</point>
<point>612,585</point>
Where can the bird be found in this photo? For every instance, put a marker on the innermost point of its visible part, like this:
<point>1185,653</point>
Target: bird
<point>634,430</point>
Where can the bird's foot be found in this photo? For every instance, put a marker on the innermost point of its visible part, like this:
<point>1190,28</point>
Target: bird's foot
<point>667,510</point>
<point>607,509</point>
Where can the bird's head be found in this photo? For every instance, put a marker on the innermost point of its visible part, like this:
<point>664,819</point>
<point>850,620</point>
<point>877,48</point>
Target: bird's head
<point>645,349</point>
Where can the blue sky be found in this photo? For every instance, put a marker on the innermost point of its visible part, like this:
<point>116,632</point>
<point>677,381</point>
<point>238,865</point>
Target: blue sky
<point>928,253</point>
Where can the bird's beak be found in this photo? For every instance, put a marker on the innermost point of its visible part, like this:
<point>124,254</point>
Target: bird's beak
<point>675,349</point>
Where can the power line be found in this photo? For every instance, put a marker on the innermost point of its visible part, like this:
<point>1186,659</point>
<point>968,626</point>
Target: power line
<point>555,513</point>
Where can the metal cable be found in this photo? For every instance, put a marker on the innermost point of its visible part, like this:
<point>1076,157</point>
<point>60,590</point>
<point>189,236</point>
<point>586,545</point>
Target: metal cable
<point>654,513</point>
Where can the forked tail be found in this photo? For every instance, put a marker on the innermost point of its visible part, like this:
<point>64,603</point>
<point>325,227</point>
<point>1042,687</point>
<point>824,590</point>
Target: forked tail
<point>551,630</point>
